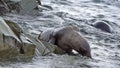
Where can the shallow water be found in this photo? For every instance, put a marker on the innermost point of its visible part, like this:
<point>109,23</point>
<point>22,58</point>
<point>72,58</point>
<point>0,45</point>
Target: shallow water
<point>105,46</point>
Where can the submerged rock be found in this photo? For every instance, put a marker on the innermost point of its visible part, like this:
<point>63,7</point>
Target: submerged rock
<point>104,26</point>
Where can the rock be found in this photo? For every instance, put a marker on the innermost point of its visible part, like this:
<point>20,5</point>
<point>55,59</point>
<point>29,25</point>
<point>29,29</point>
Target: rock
<point>11,46</point>
<point>28,6</point>
<point>14,27</point>
<point>103,25</point>
<point>9,6</point>
<point>19,6</point>
<point>5,29</point>
<point>42,48</point>
<point>53,48</point>
<point>3,10</point>
<point>58,50</point>
<point>14,7</point>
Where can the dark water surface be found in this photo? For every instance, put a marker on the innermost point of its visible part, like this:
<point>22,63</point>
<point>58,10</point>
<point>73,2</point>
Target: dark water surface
<point>105,46</point>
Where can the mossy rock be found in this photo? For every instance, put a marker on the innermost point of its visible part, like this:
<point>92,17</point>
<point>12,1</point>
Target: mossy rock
<point>12,53</point>
<point>58,50</point>
<point>8,54</point>
<point>53,48</point>
<point>10,44</point>
<point>14,27</point>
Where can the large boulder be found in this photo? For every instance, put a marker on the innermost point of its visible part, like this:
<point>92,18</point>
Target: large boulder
<point>11,46</point>
<point>19,6</point>
<point>28,6</point>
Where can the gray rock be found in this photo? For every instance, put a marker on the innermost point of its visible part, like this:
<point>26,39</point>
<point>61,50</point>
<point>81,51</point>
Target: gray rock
<point>3,10</point>
<point>28,6</point>
<point>11,46</point>
<point>20,6</point>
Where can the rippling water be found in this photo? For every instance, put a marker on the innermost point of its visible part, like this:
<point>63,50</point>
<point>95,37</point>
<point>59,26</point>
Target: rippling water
<point>105,46</point>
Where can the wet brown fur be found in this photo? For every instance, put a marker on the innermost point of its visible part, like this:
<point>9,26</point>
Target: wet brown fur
<point>67,38</point>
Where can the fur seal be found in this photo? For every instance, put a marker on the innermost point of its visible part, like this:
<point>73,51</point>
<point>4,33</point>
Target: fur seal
<point>47,35</point>
<point>103,26</point>
<point>67,38</point>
